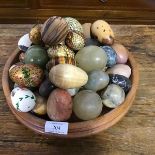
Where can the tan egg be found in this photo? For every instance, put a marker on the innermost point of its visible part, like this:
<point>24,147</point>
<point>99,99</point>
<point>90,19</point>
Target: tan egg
<point>86,30</point>
<point>103,32</point>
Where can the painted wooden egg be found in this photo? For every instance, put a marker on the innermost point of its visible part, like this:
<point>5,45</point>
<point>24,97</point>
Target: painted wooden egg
<point>120,69</point>
<point>122,81</point>
<point>73,24</point>
<point>75,40</point>
<point>26,75</point>
<point>36,55</point>
<point>113,96</point>
<point>54,30</point>
<point>60,54</point>
<point>67,76</point>
<point>111,55</point>
<point>23,99</point>
<point>102,31</point>
<point>35,34</point>
<point>24,42</point>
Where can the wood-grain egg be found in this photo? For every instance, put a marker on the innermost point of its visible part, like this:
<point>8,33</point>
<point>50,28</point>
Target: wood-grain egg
<point>68,76</point>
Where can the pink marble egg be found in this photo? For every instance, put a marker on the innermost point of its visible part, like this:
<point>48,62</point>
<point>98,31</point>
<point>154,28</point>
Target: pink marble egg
<point>122,53</point>
<point>120,69</point>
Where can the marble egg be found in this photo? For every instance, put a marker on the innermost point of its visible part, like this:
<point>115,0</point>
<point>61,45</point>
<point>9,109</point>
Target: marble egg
<point>91,58</point>
<point>67,76</point>
<point>46,88</point>
<point>111,55</point>
<point>41,105</point>
<point>75,40</point>
<point>36,55</point>
<point>26,75</point>
<point>24,42</point>
<point>122,53</point>
<point>73,24</point>
<point>113,96</point>
<point>22,57</point>
<point>120,69</point>
<point>23,99</point>
<point>35,34</point>
<point>97,80</point>
<point>101,30</point>
<point>59,105</point>
<point>73,91</point>
<point>54,30</point>
<point>60,54</point>
<point>87,105</point>
<point>122,81</point>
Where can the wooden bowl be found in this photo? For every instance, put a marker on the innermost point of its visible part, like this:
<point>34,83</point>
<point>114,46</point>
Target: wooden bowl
<point>76,129</point>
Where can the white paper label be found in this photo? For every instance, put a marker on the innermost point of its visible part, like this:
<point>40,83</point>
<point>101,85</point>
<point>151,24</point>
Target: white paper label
<point>56,127</point>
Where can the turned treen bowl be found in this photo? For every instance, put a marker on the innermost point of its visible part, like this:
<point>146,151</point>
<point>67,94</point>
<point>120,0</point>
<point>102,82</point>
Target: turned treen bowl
<point>76,128</point>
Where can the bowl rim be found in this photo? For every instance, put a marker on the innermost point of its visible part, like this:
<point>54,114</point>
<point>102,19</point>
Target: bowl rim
<point>76,129</point>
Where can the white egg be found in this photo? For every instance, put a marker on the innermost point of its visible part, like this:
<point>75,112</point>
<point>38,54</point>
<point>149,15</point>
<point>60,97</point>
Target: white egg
<point>23,99</point>
<point>24,42</point>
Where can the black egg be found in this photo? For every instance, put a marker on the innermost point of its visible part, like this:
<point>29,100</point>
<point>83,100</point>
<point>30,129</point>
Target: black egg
<point>122,81</point>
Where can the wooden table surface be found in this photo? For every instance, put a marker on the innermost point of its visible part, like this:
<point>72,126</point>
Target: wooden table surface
<point>134,134</point>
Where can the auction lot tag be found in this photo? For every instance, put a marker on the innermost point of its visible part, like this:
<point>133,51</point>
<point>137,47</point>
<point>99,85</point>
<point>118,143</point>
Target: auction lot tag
<point>56,127</point>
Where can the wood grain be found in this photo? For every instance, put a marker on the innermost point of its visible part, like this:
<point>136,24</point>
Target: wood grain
<point>134,134</point>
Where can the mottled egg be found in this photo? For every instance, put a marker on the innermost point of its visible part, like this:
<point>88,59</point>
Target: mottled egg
<point>102,31</point>
<point>73,91</point>
<point>113,96</point>
<point>122,53</point>
<point>59,105</point>
<point>26,75</point>
<point>41,105</point>
<point>111,55</point>
<point>91,58</point>
<point>120,69</point>
<point>75,40</point>
<point>122,81</point>
<point>54,30</point>
<point>24,42</point>
<point>23,99</point>
<point>87,105</point>
<point>36,55</point>
<point>97,80</point>
<point>73,24</point>
<point>60,54</point>
<point>35,34</point>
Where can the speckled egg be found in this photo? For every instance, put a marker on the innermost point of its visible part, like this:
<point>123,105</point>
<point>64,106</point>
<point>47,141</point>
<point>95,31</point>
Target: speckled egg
<point>113,96</point>
<point>122,81</point>
<point>54,30</point>
<point>111,55</point>
<point>24,42</point>
<point>23,99</point>
<point>74,25</point>
<point>36,55</point>
<point>26,75</point>
<point>75,40</point>
<point>102,31</point>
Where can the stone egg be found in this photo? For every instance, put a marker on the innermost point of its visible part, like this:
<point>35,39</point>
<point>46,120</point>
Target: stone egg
<point>73,24</point>
<point>97,80</point>
<point>36,55</point>
<point>26,75</point>
<point>120,69</point>
<point>54,30</point>
<point>111,55</point>
<point>75,40</point>
<point>41,105</point>
<point>24,42</point>
<point>86,30</point>
<point>46,88</point>
<point>87,105</point>
<point>91,58</point>
<point>23,99</point>
<point>122,81</point>
<point>59,105</point>
<point>73,91</point>
<point>113,96</point>
<point>101,30</point>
